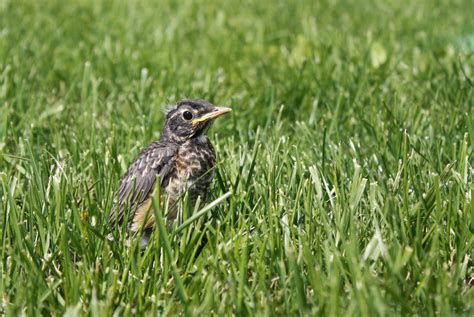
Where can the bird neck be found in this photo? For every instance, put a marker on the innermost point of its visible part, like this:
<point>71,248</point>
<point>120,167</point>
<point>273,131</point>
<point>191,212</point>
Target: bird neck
<point>199,136</point>
<point>169,137</point>
<point>173,138</point>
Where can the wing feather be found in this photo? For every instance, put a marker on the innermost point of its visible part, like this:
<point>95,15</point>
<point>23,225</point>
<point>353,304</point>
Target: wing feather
<point>138,183</point>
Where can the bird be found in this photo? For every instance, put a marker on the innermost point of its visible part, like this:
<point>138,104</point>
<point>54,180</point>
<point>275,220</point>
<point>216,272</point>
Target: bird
<point>182,161</point>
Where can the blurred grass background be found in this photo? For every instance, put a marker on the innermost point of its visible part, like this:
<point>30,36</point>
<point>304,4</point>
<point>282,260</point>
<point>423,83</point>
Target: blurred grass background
<point>349,155</point>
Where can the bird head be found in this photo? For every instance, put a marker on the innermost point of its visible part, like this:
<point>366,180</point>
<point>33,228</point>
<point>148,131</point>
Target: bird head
<point>190,119</point>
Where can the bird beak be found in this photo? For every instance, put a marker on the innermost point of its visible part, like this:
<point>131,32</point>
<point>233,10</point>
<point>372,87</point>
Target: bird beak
<point>217,112</point>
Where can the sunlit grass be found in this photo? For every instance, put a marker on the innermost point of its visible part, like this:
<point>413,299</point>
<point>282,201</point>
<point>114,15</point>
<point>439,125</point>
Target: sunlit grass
<point>344,184</point>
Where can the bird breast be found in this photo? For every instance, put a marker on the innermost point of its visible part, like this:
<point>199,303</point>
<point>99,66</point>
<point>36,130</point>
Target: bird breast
<point>194,170</point>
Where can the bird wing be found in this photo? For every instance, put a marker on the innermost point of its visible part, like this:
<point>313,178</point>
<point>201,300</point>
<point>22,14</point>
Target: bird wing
<point>137,185</point>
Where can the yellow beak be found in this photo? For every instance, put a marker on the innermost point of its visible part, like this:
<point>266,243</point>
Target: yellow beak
<point>217,112</point>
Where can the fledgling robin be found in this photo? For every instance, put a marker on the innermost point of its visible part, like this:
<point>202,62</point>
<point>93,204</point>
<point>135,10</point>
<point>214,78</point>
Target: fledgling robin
<point>183,160</point>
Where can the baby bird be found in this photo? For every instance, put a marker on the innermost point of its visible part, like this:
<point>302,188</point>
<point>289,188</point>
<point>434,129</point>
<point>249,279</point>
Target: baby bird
<point>183,160</point>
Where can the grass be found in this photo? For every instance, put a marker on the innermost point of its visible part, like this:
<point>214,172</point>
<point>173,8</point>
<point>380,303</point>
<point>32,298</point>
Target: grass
<point>348,156</point>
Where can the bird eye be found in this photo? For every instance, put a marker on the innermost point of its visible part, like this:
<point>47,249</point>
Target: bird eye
<point>187,115</point>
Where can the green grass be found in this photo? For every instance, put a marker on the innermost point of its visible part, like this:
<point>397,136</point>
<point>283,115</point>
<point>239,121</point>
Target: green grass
<point>348,156</point>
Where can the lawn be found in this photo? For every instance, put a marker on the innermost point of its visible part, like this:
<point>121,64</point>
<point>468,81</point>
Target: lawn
<point>345,174</point>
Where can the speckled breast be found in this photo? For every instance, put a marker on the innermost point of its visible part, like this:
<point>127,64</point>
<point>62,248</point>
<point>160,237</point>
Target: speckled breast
<point>194,170</point>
